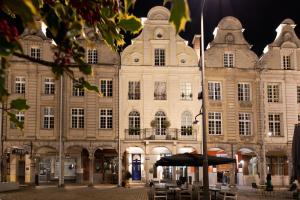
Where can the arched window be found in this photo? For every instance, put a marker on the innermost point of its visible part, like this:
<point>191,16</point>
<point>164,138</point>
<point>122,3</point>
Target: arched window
<point>186,123</point>
<point>160,118</point>
<point>134,123</point>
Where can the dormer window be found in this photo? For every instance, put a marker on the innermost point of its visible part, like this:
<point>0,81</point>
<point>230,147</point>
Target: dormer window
<point>35,52</point>
<point>92,57</point>
<point>228,60</point>
<point>159,57</point>
<point>286,62</point>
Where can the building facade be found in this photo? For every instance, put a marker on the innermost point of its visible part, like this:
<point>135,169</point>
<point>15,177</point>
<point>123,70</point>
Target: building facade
<point>88,122</point>
<point>280,65</point>
<point>232,88</point>
<point>159,84</point>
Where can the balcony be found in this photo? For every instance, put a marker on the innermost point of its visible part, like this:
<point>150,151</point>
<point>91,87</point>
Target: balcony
<point>160,134</point>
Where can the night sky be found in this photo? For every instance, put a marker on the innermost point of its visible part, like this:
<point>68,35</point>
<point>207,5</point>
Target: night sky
<point>259,18</point>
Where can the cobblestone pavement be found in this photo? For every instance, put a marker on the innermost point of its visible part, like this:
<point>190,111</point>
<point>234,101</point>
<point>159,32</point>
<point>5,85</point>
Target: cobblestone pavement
<point>109,192</point>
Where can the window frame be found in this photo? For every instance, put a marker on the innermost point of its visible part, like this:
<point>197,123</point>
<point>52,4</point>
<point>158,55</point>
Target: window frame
<point>106,87</point>
<point>216,93</point>
<point>159,57</point>
<point>160,92</point>
<point>20,116</point>
<point>77,92</point>
<point>134,90</point>
<point>49,85</point>
<point>48,118</point>
<point>286,62</point>
<point>186,91</point>
<point>244,93</point>
<point>275,124</point>
<point>245,124</point>
<point>35,52</point>
<point>106,117</point>
<point>92,56</point>
<point>20,84</point>
<point>77,119</point>
<point>186,125</point>
<point>273,96</point>
<point>228,60</point>
<point>214,123</point>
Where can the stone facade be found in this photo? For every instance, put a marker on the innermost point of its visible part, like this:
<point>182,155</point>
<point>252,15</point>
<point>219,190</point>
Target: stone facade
<point>87,147</point>
<point>280,65</point>
<point>177,104</point>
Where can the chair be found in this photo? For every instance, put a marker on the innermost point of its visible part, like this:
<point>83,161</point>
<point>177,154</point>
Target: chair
<point>230,195</point>
<point>160,193</point>
<point>201,194</point>
<point>185,194</point>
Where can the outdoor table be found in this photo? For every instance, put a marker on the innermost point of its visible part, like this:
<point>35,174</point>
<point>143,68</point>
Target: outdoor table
<point>174,190</point>
<point>215,190</point>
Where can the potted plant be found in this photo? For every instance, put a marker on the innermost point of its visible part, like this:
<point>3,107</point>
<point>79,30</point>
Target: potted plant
<point>127,176</point>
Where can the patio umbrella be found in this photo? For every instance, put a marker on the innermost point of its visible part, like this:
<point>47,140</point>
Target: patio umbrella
<point>189,159</point>
<point>296,154</point>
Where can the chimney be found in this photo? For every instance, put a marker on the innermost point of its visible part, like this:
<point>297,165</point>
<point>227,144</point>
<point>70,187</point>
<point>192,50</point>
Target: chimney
<point>197,44</point>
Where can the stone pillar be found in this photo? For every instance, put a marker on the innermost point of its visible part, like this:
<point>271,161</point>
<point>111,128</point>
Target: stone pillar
<point>196,174</point>
<point>13,168</point>
<point>174,173</point>
<point>29,169</point>
<point>91,170</point>
<point>147,168</point>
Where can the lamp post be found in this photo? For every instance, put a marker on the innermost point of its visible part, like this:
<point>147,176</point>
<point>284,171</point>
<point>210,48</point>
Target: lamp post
<point>204,140</point>
<point>264,156</point>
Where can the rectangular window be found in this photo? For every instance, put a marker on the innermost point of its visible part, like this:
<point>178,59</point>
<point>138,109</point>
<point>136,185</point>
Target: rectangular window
<point>134,90</point>
<point>48,122</point>
<point>106,87</point>
<point>159,57</point>
<point>214,123</point>
<point>228,60</point>
<point>273,92</point>
<point>92,56</point>
<point>298,118</point>
<point>160,90</point>
<point>20,84</point>
<point>286,62</point>
<point>77,92</point>
<point>244,92</point>
<point>298,94</point>
<point>214,91</point>
<point>77,117</point>
<point>106,118</point>
<point>245,124</point>
<point>186,91</point>
<point>20,115</point>
<point>35,52</point>
<point>275,124</point>
<point>277,165</point>
<point>49,85</point>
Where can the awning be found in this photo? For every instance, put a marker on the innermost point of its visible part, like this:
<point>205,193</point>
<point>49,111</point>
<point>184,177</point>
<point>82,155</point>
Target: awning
<point>189,159</point>
<point>296,154</point>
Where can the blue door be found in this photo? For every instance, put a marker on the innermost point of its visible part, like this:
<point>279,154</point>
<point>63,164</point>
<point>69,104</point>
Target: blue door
<point>136,167</point>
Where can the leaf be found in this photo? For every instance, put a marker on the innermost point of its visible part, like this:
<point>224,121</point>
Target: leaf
<point>19,104</point>
<point>130,23</point>
<point>180,14</point>
<point>83,67</point>
<point>87,85</point>
<point>127,4</point>
<point>15,121</point>
<point>25,9</point>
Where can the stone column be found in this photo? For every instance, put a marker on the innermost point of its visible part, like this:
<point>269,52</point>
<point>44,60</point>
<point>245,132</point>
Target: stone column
<point>13,168</point>
<point>91,170</point>
<point>29,170</point>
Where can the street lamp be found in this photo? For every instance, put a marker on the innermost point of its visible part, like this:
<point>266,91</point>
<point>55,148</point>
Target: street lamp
<point>264,156</point>
<point>204,140</point>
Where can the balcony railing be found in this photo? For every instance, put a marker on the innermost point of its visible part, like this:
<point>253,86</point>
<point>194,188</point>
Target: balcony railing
<point>160,134</point>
